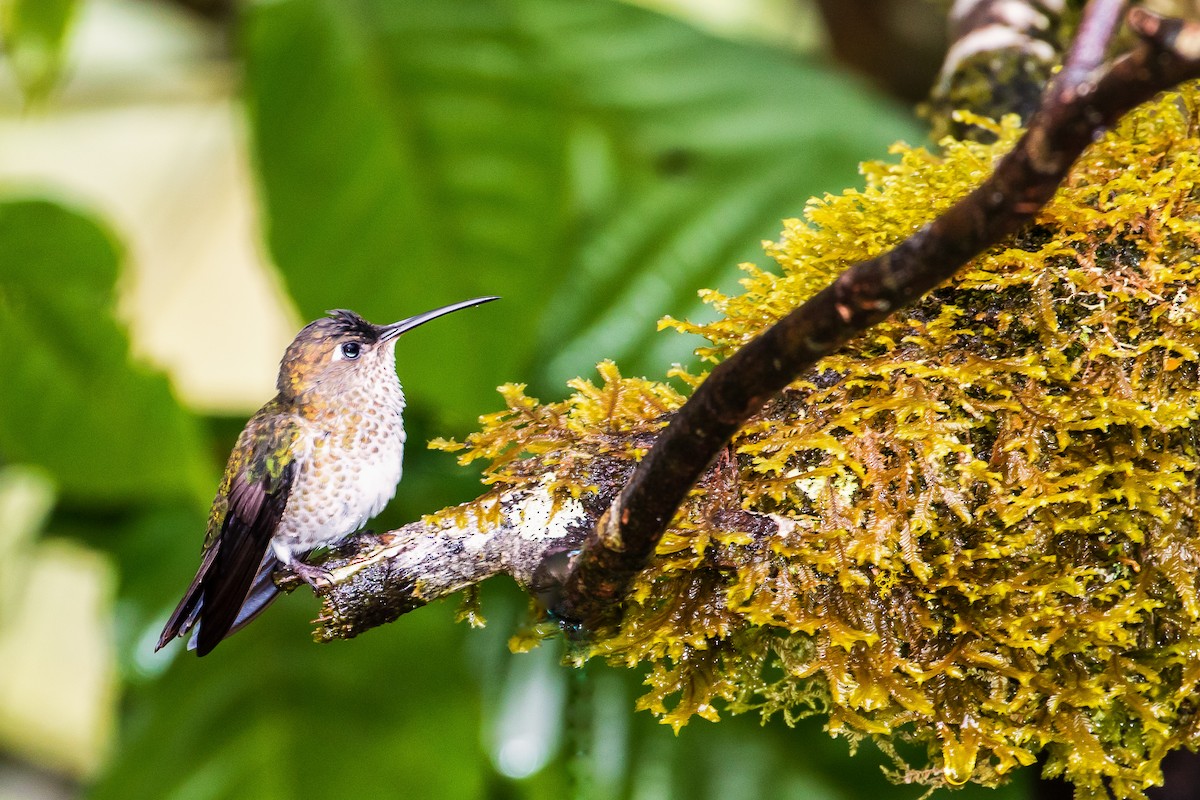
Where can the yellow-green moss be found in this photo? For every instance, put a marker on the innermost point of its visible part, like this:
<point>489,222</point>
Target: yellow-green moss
<point>988,543</point>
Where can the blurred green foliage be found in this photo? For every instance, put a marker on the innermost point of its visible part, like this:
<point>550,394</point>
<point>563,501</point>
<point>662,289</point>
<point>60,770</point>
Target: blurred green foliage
<point>35,35</point>
<point>109,431</point>
<point>593,163</point>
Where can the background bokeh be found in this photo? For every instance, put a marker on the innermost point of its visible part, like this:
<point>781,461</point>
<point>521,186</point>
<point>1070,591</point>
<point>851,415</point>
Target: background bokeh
<point>183,184</point>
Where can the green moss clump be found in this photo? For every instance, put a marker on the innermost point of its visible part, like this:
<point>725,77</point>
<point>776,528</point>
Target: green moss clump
<point>987,534</point>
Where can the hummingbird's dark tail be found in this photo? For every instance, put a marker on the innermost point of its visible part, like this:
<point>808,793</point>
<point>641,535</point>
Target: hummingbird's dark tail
<point>184,617</point>
<point>262,593</point>
<point>233,583</point>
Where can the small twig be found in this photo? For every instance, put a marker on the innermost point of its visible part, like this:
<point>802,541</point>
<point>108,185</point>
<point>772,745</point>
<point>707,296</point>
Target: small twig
<point>1092,37</point>
<point>1079,105</point>
<point>990,26</point>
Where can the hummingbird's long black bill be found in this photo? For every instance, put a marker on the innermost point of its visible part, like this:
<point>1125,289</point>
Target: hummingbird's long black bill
<point>403,326</point>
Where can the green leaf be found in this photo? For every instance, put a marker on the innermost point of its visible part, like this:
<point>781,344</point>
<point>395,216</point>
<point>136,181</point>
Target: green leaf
<point>35,39</point>
<point>713,142</point>
<point>593,163</point>
<point>270,714</point>
<point>108,431</point>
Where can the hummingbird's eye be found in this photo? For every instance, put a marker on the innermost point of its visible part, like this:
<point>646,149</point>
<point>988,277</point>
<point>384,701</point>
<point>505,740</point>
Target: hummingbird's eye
<point>351,350</point>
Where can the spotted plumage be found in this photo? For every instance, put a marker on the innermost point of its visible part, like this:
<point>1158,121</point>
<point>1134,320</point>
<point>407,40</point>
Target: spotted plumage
<point>310,468</point>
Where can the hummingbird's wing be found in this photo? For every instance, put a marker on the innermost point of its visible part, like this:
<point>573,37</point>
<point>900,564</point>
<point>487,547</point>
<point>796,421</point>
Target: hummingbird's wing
<point>246,513</point>
<point>255,507</point>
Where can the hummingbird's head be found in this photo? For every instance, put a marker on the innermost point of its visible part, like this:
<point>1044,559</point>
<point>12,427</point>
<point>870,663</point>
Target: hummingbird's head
<point>343,348</point>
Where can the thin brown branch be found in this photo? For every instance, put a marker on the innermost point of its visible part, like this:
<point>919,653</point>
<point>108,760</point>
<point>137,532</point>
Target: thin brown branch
<point>1092,37</point>
<point>1079,105</point>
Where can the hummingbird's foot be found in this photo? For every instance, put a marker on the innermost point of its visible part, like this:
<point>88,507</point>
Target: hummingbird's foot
<point>319,578</point>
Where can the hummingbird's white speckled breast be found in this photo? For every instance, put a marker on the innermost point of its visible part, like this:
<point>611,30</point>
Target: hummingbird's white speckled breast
<point>350,464</point>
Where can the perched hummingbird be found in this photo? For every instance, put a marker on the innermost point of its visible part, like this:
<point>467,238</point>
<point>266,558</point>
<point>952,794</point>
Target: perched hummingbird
<point>309,469</point>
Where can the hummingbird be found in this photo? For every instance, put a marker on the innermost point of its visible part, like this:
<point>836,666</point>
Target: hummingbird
<point>309,469</point>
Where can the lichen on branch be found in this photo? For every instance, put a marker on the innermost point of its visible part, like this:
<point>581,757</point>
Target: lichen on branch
<point>973,528</point>
<point>1001,56</point>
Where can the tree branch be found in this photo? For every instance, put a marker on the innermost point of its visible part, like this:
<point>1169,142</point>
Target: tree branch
<point>524,534</point>
<point>1081,102</point>
<point>383,577</point>
<point>999,61</point>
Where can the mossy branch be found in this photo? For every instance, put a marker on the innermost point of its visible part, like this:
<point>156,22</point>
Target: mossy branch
<point>1084,100</point>
<point>526,534</point>
<point>1000,59</point>
<point>379,578</point>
